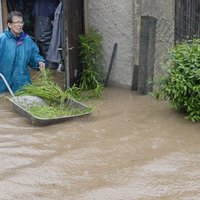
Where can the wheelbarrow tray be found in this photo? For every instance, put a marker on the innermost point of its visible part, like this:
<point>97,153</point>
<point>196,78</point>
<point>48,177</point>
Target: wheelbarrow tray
<point>21,104</point>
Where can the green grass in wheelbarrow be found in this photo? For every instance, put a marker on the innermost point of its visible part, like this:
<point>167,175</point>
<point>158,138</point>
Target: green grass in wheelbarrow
<point>51,112</point>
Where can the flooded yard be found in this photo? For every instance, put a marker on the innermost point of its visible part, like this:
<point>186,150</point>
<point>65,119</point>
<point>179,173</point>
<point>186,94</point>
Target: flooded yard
<point>130,148</point>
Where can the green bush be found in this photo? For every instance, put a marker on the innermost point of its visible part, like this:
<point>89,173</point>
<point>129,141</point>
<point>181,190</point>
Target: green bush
<point>91,58</point>
<point>180,85</point>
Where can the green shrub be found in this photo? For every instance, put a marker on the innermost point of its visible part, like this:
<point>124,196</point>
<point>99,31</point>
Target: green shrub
<point>91,58</point>
<point>181,83</point>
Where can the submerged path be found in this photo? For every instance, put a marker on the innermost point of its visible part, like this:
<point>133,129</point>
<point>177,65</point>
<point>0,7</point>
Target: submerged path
<point>131,148</point>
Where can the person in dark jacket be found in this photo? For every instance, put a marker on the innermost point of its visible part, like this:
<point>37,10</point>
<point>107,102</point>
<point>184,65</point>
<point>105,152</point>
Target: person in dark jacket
<point>17,52</point>
<point>43,13</point>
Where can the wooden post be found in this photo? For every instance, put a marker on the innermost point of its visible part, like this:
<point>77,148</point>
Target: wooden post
<point>86,17</point>
<point>4,13</point>
<point>65,55</point>
<point>146,54</point>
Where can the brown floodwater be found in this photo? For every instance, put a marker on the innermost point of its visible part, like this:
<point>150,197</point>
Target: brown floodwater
<point>131,147</point>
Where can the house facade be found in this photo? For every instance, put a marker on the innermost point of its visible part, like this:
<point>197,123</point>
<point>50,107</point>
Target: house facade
<point>119,22</point>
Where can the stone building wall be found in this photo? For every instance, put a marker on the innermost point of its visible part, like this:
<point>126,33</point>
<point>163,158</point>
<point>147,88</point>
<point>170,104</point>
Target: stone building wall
<point>119,22</point>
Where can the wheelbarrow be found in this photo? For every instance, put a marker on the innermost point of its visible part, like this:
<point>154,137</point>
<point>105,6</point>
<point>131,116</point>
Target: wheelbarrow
<point>22,104</point>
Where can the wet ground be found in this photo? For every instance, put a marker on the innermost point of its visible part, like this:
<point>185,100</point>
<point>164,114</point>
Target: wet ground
<point>130,148</point>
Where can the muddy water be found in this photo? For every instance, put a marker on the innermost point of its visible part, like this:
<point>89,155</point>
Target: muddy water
<point>130,148</point>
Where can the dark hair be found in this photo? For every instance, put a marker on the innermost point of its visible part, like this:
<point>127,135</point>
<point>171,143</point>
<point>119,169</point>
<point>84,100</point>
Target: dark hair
<point>13,14</point>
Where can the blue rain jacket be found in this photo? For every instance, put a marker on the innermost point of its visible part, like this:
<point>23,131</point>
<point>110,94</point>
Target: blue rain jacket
<point>16,55</point>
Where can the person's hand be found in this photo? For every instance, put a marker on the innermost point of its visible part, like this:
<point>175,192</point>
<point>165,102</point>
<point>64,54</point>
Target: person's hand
<point>41,65</point>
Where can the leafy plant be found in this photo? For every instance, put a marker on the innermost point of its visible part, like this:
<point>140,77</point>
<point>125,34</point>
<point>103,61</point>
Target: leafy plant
<point>181,83</point>
<point>51,112</point>
<point>91,58</point>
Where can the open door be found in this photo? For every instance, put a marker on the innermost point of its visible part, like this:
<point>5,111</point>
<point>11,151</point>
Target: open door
<point>74,15</point>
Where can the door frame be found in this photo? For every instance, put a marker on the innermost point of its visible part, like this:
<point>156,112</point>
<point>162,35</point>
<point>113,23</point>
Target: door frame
<point>70,52</point>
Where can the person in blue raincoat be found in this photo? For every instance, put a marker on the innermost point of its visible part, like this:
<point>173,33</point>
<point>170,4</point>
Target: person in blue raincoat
<point>17,52</point>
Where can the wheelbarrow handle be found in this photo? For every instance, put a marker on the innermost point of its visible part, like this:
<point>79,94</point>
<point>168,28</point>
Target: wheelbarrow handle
<point>7,85</point>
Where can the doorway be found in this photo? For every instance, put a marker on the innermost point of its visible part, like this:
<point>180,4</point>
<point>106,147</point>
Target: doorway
<point>73,23</point>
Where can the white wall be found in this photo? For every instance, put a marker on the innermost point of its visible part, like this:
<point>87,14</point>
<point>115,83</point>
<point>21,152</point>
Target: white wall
<point>119,22</point>
<point>113,19</point>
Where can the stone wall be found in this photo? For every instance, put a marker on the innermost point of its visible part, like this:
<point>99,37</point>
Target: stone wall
<point>119,22</point>
<point>163,10</point>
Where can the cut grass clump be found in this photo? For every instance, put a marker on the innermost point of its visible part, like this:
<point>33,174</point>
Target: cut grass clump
<point>57,112</point>
<point>57,99</point>
<point>45,88</point>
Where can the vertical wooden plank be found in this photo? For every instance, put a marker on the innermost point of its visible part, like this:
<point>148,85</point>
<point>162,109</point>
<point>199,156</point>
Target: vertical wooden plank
<point>197,18</point>
<point>1,20</point>
<point>65,57</point>
<point>147,54</point>
<point>86,17</point>
<point>4,13</point>
<point>75,18</point>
